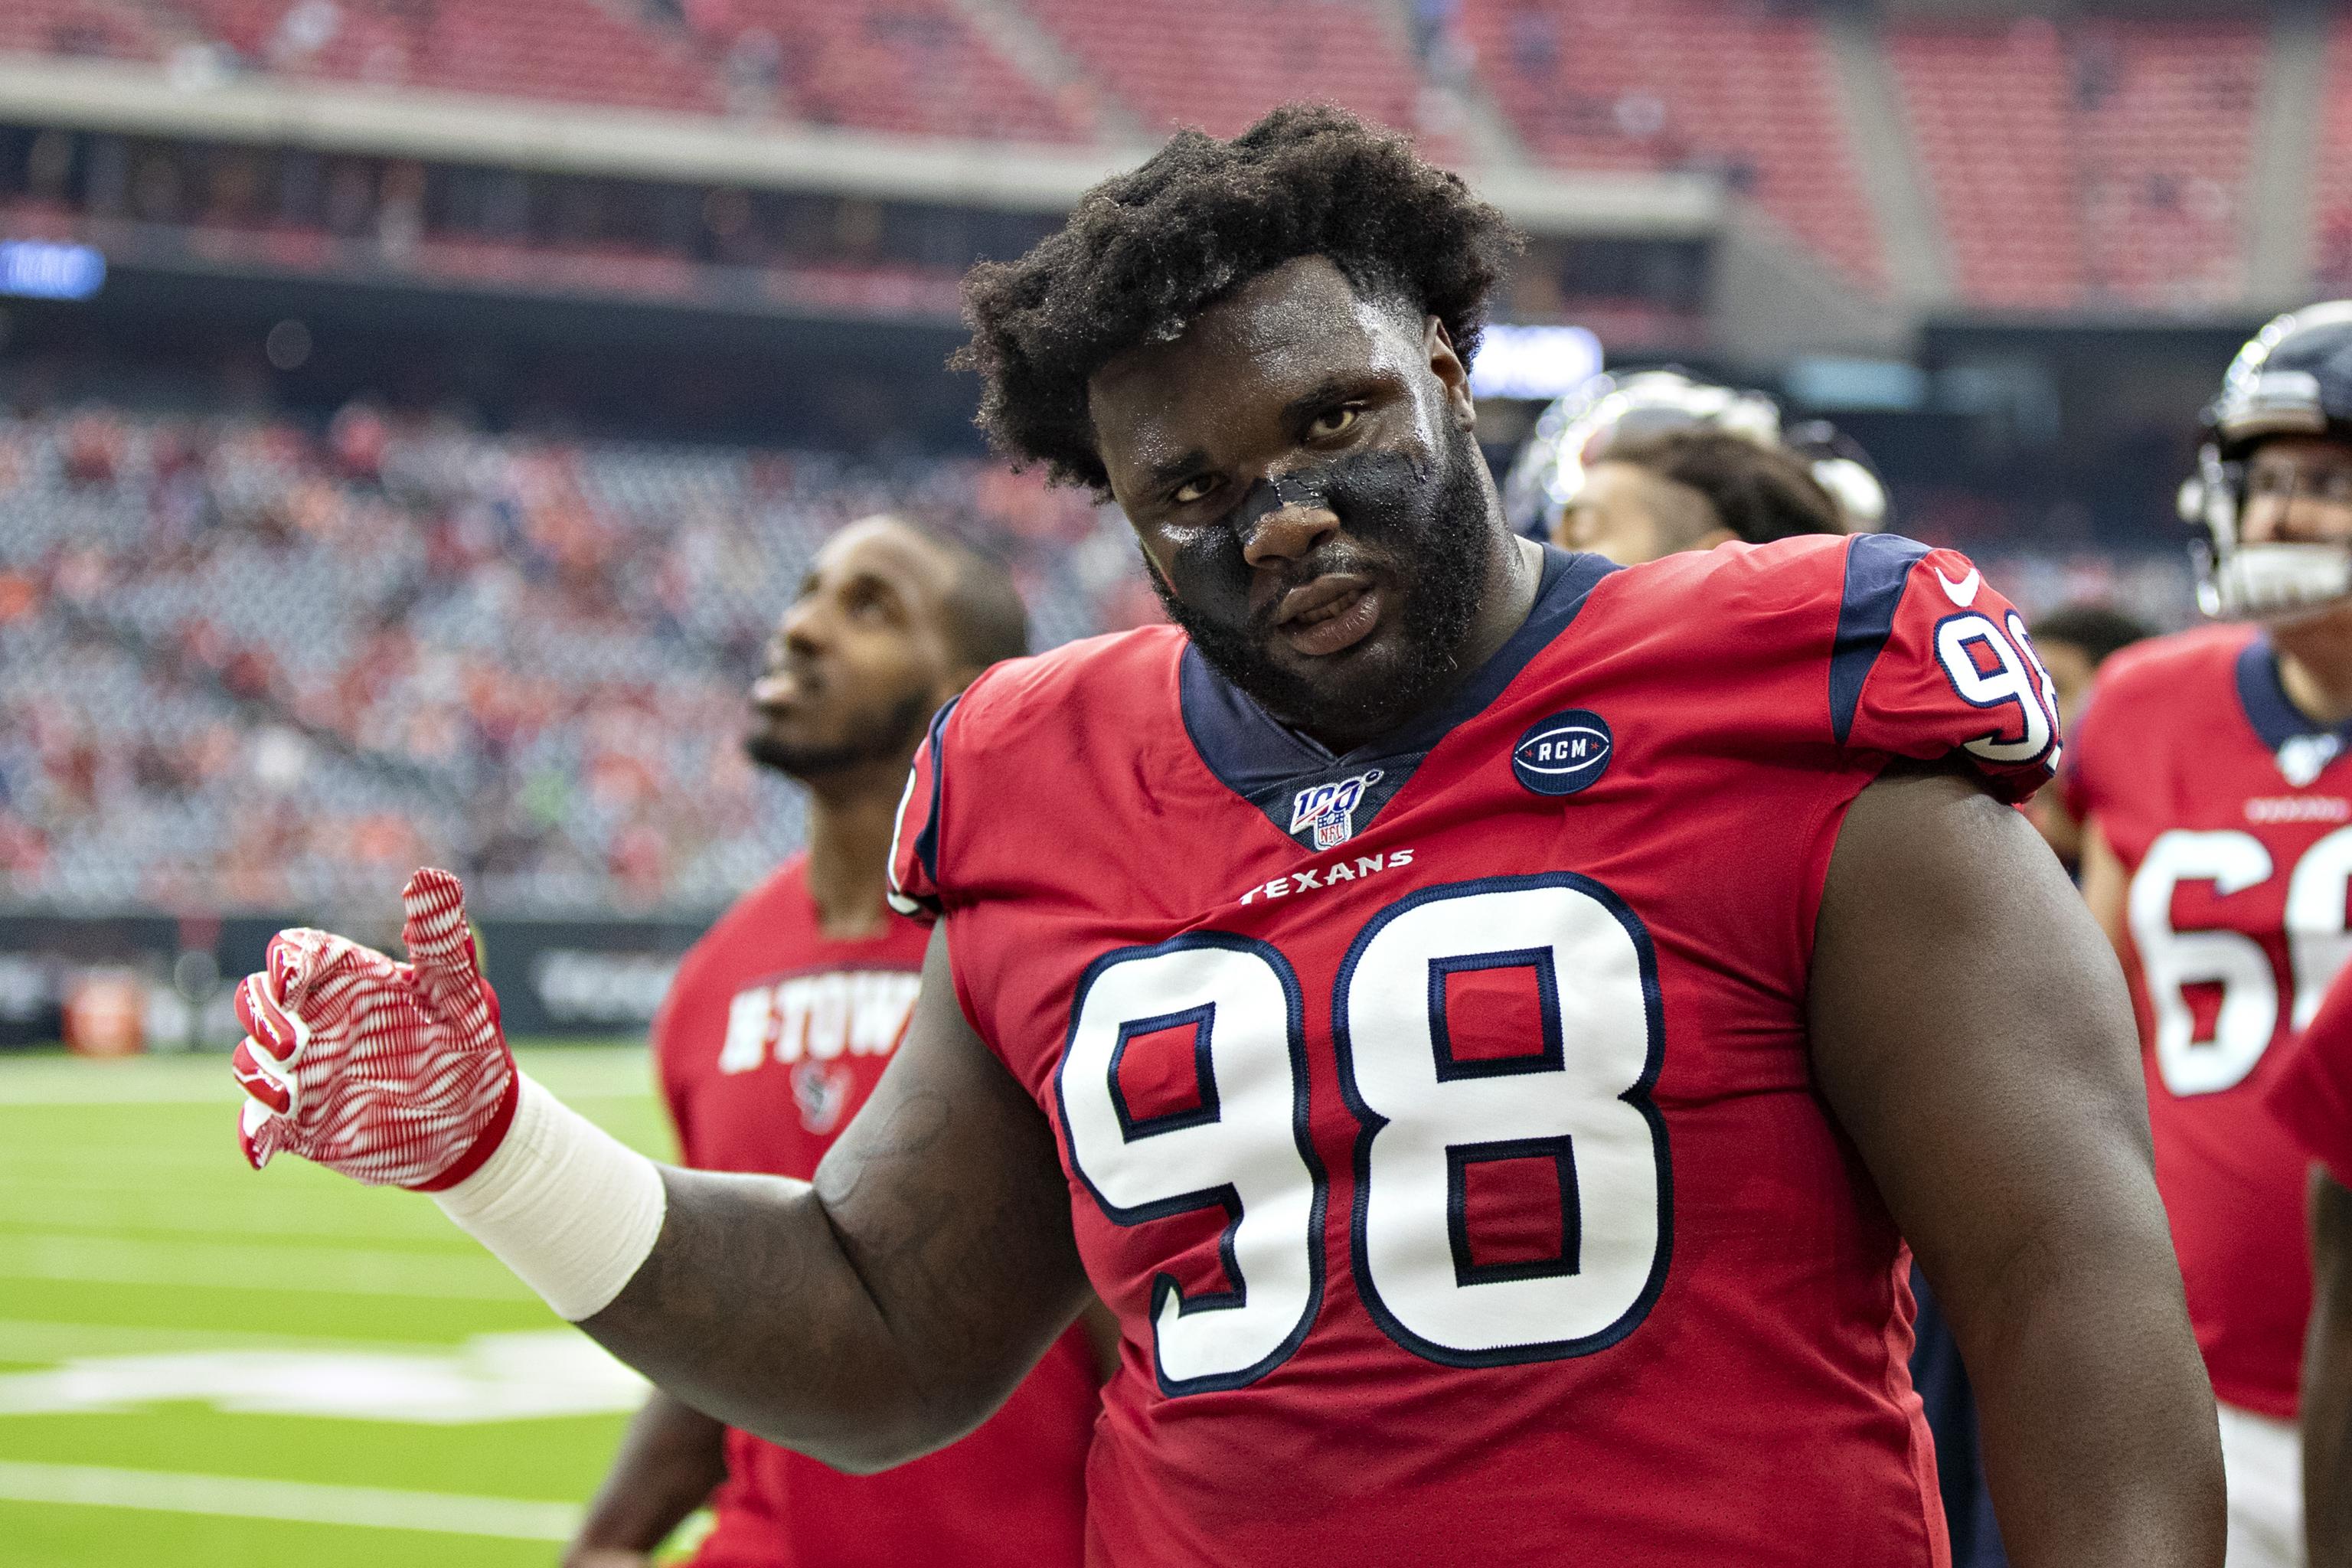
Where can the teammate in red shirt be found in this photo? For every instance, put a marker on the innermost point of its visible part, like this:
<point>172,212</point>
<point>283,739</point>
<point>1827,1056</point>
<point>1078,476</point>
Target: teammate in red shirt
<point>778,1023</point>
<point>2209,775</point>
<point>1484,1021</point>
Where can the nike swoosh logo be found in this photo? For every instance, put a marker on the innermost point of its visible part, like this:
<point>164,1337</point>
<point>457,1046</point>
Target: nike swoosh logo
<point>1964,591</point>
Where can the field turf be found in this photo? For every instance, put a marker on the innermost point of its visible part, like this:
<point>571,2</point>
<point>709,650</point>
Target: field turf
<point>200,1366</point>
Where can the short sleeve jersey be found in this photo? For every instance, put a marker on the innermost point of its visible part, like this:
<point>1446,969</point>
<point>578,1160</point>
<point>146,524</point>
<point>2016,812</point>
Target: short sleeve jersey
<point>1438,1118</point>
<point>2231,815</point>
<point>769,1039</point>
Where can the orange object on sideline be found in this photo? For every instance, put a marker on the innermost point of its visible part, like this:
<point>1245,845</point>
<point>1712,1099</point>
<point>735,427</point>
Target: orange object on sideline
<point>106,1014</point>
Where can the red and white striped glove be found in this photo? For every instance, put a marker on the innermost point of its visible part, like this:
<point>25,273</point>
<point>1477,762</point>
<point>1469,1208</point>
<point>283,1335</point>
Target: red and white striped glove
<point>394,1074</point>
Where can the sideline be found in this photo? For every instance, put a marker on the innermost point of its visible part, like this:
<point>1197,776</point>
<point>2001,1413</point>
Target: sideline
<point>298,1502</point>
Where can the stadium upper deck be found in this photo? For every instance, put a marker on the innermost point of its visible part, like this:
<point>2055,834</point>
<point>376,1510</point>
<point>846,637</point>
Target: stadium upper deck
<point>2106,163</point>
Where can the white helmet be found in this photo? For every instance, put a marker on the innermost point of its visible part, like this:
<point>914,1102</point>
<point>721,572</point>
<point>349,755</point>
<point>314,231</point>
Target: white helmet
<point>1578,430</point>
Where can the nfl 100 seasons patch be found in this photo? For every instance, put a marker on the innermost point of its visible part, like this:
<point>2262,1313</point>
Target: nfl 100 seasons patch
<point>1330,809</point>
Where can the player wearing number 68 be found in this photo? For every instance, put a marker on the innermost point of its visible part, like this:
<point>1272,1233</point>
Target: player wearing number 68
<point>1485,1021</point>
<point>2212,780</point>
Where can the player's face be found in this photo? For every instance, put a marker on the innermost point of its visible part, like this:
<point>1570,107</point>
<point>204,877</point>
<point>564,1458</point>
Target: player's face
<point>2071,670</point>
<point>859,660</point>
<point>2298,492</point>
<point>1299,468</point>
<point>1631,515</point>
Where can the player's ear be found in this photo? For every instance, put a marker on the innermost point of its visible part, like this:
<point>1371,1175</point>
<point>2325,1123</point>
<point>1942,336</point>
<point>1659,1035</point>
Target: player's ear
<point>1446,365</point>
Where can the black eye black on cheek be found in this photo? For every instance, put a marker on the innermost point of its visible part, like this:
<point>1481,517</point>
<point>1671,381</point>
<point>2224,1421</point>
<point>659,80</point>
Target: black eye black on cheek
<point>1210,555</point>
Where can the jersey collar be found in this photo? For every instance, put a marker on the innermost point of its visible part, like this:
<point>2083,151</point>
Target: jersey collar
<point>1270,764</point>
<point>2302,747</point>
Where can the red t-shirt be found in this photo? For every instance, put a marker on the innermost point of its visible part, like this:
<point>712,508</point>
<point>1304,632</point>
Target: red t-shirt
<point>2228,811</point>
<point>1439,1119</point>
<point>771,1037</point>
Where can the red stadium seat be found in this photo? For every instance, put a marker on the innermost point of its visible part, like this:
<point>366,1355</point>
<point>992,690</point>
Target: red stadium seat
<point>115,29</point>
<point>2105,163</point>
<point>1221,64</point>
<point>1664,84</point>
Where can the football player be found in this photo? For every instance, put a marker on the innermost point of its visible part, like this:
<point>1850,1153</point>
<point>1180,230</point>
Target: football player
<point>1692,490</point>
<point>2076,641</point>
<point>778,1023</point>
<point>1566,463</point>
<point>2208,778</point>
<point>1484,1020</point>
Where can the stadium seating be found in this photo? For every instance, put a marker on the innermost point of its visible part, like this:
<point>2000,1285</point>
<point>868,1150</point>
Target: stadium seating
<point>1664,84</point>
<point>907,66</point>
<point>2103,164</point>
<point>566,50</point>
<point>119,29</point>
<point>239,662</point>
<point>1220,64</point>
<point>1989,114</point>
<point>910,67</point>
<point>2098,161</point>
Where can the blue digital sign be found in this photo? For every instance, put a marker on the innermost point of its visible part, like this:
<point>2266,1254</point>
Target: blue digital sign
<point>1534,362</point>
<point>37,270</point>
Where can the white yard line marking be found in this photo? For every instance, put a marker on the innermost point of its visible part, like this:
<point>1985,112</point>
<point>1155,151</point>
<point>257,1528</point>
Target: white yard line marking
<point>341,1272</point>
<point>301,1502</point>
<point>542,1375</point>
<point>44,1341</point>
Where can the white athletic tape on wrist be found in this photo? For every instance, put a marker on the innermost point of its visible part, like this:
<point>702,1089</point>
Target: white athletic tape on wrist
<point>564,1204</point>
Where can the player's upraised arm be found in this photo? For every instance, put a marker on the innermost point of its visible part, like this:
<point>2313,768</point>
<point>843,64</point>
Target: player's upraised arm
<point>865,1319</point>
<point>887,1308</point>
<point>1972,1034</point>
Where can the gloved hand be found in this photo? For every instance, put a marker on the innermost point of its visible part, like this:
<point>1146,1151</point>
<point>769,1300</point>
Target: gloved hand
<point>394,1074</point>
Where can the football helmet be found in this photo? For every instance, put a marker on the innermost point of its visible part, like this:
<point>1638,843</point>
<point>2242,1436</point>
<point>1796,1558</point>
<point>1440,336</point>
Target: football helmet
<point>1578,430</point>
<point>2293,378</point>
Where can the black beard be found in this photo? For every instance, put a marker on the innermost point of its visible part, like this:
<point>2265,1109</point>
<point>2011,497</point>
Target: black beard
<point>1436,526</point>
<point>884,737</point>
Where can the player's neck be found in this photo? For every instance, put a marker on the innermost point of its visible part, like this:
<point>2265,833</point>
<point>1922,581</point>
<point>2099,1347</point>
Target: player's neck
<point>849,821</point>
<point>2315,668</point>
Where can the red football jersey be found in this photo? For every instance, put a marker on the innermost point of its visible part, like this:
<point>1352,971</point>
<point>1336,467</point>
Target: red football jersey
<point>1439,1118</point>
<point>2311,1091</point>
<point>771,1037</point>
<point>2230,812</point>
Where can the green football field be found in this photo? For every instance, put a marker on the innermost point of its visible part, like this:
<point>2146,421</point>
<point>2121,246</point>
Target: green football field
<point>203,1365</point>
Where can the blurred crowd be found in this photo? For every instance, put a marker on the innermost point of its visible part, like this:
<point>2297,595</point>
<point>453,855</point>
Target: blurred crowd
<point>247,665</point>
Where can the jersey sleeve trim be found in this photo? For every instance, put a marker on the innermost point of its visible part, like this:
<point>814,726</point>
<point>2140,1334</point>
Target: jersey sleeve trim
<point>1877,566</point>
<point>927,838</point>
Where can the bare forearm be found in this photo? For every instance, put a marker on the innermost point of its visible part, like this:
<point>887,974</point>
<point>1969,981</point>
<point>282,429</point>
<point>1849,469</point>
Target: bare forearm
<point>671,1459</point>
<point>879,1313</point>
<point>2327,1379</point>
<point>2098,1428</point>
<point>749,1307</point>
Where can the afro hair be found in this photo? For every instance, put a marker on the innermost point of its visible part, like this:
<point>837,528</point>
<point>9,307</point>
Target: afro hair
<point>1145,251</point>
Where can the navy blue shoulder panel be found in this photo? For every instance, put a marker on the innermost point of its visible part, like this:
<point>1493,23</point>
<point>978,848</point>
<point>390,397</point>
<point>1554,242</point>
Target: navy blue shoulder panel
<point>1262,760</point>
<point>927,843</point>
<point>1876,567</point>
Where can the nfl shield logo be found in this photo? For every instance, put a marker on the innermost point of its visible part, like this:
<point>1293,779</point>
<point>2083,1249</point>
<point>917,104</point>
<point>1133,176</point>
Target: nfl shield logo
<point>1330,809</point>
